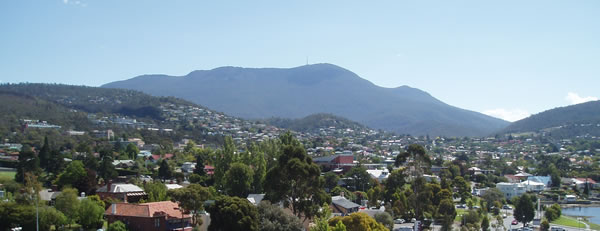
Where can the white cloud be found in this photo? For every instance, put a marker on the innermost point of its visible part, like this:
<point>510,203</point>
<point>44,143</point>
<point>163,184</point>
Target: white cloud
<point>75,2</point>
<point>574,98</point>
<point>507,114</point>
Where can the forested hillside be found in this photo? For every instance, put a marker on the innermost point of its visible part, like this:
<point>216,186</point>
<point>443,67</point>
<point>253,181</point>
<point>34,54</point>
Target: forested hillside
<point>576,120</point>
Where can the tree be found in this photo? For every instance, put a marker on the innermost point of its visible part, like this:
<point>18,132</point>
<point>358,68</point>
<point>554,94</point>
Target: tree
<point>132,150</point>
<point>44,154</point>
<point>156,191</point>
<point>73,175</point>
<point>224,158</point>
<point>273,218</point>
<point>492,196</point>
<point>375,195</point>
<point>553,212</point>
<point>164,171</point>
<point>201,158</point>
<point>233,213</point>
<point>359,178</point>
<point>464,190</point>
<point>339,227</point>
<point>28,163</point>
<point>13,214</point>
<point>106,169</point>
<point>321,219</point>
<point>57,163</point>
<point>358,222</point>
<point>394,182</point>
<point>68,204</point>
<point>260,168</point>
<point>295,180</point>
<point>485,223</point>
<point>524,209</point>
<point>191,198</point>
<point>446,214</point>
<point>238,180</point>
<point>49,216</point>
<point>419,158</point>
<point>90,214</point>
<point>385,219</point>
<point>545,225</point>
<point>117,226</point>
<point>331,180</point>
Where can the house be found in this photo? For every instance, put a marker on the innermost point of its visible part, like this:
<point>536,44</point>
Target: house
<point>581,182</point>
<point>534,186</point>
<point>570,198</point>
<point>49,195</point>
<point>436,170</point>
<point>344,161</point>
<point>188,167</point>
<point>523,175</point>
<point>125,192</point>
<point>155,216</point>
<point>210,170</point>
<point>255,199</point>
<point>123,163</point>
<point>546,180</point>
<point>156,157</point>
<point>342,206</point>
<point>476,171</point>
<point>173,186</point>
<point>512,178</point>
<point>379,175</point>
<point>511,190</point>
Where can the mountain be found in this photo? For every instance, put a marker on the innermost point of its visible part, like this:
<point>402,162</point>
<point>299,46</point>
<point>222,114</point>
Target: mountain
<point>313,123</point>
<point>257,93</point>
<point>569,121</point>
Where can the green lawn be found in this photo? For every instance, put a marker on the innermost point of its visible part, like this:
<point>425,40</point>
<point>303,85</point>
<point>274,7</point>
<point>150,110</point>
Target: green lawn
<point>568,221</point>
<point>459,212</point>
<point>593,226</point>
<point>8,174</point>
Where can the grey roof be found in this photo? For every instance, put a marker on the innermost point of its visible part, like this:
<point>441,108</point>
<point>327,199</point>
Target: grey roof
<point>255,198</point>
<point>120,188</point>
<point>345,203</point>
<point>48,194</point>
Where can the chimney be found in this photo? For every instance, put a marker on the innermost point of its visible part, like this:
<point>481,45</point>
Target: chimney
<point>114,209</point>
<point>108,186</point>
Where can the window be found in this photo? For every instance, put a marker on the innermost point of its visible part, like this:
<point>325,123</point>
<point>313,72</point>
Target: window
<point>157,222</point>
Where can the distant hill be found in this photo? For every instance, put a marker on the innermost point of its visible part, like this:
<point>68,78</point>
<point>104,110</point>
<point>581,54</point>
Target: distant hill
<point>569,121</point>
<point>258,93</point>
<point>313,123</point>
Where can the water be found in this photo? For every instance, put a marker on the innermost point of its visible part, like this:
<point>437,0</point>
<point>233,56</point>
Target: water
<point>592,212</point>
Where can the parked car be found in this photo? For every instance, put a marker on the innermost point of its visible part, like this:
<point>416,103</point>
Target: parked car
<point>506,207</point>
<point>514,222</point>
<point>413,220</point>
<point>504,215</point>
<point>462,206</point>
<point>399,221</point>
<point>556,228</point>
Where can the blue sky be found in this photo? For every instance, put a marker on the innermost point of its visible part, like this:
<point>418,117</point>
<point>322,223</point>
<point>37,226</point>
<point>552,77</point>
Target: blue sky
<point>504,58</point>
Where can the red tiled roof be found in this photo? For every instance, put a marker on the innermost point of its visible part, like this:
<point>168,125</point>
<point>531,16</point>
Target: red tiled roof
<point>153,209</point>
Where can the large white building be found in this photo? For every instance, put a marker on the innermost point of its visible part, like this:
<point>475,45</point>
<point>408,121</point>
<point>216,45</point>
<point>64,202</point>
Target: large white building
<point>511,190</point>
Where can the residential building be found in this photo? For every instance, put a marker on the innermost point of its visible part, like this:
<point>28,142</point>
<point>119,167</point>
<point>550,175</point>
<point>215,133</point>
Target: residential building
<point>155,216</point>
<point>124,192</point>
<point>343,206</point>
<point>344,161</point>
<point>511,190</point>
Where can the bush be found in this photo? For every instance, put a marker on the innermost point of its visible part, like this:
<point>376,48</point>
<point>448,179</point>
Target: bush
<point>117,226</point>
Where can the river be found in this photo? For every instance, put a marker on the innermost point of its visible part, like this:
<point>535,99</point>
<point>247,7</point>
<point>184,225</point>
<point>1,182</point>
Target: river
<point>592,212</point>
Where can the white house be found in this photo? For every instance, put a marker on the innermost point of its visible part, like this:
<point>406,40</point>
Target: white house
<point>511,190</point>
<point>379,175</point>
<point>534,186</point>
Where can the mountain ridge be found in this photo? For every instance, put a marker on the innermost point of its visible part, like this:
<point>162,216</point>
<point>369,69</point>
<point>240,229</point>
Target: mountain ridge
<point>258,93</point>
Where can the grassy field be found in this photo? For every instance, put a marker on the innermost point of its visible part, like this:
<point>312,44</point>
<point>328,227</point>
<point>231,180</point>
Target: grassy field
<point>7,174</point>
<point>459,212</point>
<point>593,226</point>
<point>568,221</point>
